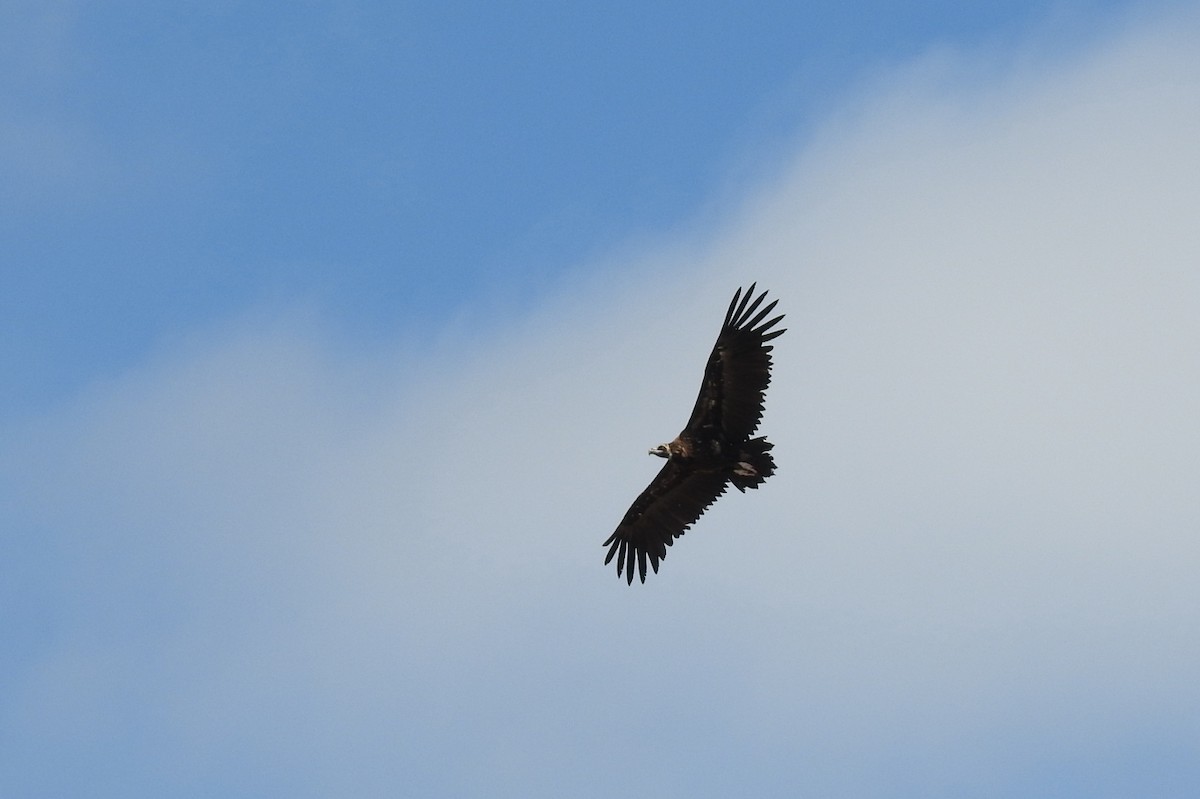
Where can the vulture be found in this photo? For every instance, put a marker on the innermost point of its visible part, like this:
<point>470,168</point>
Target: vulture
<point>715,447</point>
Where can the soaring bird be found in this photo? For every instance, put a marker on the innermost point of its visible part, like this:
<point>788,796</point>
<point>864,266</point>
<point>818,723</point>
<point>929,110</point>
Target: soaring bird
<point>715,447</point>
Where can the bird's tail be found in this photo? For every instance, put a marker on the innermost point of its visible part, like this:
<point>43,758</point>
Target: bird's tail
<point>754,464</point>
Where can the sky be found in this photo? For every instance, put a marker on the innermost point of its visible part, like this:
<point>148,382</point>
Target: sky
<point>334,339</point>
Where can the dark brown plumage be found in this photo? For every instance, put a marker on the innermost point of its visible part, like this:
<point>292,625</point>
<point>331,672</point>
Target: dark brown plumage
<point>715,447</point>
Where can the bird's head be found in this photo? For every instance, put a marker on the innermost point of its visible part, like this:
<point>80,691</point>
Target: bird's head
<point>662,451</point>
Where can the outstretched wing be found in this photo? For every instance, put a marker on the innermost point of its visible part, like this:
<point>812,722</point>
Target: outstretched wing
<point>738,370</point>
<point>670,505</point>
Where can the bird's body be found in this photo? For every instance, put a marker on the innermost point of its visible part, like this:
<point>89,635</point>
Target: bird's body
<point>714,449</point>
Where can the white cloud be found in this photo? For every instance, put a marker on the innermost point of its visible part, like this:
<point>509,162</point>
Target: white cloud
<point>974,573</point>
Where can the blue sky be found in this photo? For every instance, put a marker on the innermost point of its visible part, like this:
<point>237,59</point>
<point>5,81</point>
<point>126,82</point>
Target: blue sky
<point>335,337</point>
<point>169,164</point>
